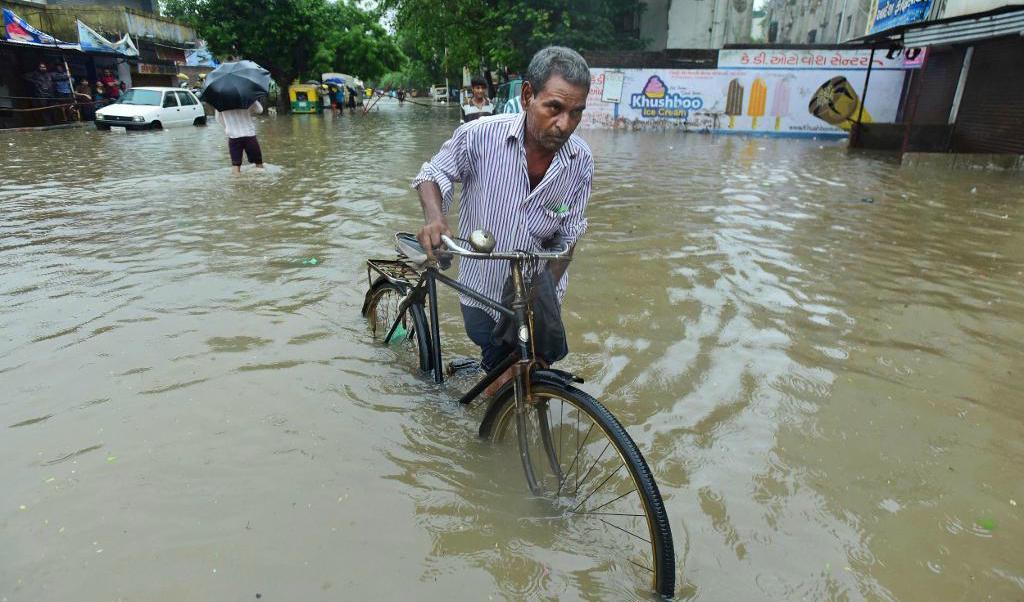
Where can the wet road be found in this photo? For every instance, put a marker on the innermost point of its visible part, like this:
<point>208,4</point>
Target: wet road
<point>818,352</point>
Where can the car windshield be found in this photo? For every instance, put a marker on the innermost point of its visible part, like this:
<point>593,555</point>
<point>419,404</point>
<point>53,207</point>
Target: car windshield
<point>141,97</point>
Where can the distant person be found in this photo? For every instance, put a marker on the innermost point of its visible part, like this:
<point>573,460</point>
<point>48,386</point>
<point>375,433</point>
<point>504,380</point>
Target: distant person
<point>99,96</point>
<point>111,89</point>
<point>477,105</point>
<point>122,88</point>
<point>83,95</point>
<point>41,89</point>
<point>401,95</point>
<point>241,130</point>
<point>62,89</point>
<point>351,98</point>
<point>339,98</point>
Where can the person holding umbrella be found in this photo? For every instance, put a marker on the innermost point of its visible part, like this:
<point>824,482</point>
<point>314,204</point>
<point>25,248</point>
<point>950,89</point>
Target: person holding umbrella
<point>235,91</point>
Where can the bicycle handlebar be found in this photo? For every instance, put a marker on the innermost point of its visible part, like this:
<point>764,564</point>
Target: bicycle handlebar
<point>455,249</point>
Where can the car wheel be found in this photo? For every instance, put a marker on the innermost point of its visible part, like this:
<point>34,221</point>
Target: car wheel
<point>102,127</point>
<point>200,120</point>
<point>156,125</point>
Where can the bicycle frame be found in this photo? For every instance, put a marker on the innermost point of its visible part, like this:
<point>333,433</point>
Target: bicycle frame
<point>519,312</point>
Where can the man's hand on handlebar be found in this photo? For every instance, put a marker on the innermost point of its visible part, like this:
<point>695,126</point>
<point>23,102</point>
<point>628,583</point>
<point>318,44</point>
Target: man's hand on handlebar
<point>430,235</point>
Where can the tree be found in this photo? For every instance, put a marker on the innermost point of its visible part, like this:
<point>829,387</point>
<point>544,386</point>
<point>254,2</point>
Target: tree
<point>291,38</point>
<point>475,33</point>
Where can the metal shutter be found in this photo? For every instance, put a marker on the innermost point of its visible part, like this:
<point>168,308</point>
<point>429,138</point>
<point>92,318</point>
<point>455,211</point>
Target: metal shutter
<point>991,115</point>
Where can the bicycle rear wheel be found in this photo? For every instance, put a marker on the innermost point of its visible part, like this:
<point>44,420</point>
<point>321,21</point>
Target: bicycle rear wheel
<point>381,308</point>
<point>579,457</point>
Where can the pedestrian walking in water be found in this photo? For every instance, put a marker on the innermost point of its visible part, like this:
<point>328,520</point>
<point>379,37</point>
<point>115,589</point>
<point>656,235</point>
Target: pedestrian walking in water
<point>241,130</point>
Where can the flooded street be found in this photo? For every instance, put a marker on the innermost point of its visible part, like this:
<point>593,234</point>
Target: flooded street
<point>819,353</point>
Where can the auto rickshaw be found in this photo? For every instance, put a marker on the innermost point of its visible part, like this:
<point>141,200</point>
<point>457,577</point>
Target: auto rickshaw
<point>305,98</point>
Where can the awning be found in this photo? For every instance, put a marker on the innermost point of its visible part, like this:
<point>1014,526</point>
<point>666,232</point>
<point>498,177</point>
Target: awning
<point>1004,21</point>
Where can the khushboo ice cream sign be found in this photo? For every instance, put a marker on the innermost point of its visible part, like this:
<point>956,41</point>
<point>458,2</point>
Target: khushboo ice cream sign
<point>654,100</point>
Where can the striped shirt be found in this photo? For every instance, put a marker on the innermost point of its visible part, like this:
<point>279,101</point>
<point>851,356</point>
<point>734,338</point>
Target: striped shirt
<point>488,157</point>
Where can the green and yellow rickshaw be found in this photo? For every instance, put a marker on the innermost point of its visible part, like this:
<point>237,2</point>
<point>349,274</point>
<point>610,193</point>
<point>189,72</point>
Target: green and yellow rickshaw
<point>305,98</point>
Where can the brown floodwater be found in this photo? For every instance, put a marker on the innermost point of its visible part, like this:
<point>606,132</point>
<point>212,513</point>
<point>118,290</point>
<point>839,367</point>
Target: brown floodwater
<point>819,352</point>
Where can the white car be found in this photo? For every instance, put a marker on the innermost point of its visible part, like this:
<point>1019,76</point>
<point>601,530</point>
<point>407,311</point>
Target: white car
<point>145,108</point>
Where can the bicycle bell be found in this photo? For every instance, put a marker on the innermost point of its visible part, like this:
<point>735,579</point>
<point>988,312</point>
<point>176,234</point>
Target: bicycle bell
<point>482,241</point>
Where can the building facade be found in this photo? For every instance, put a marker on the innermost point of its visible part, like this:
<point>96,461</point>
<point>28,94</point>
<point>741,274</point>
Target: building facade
<point>161,45</point>
<point>696,24</point>
<point>146,6</point>
<point>816,21</point>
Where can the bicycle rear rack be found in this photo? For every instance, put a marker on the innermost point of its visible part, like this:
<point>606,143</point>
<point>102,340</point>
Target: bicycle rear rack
<point>397,271</point>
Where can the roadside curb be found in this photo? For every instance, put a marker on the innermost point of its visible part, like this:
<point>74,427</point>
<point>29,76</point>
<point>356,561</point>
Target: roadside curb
<point>45,128</point>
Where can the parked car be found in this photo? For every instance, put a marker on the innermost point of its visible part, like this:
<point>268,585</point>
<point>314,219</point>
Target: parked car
<point>152,108</point>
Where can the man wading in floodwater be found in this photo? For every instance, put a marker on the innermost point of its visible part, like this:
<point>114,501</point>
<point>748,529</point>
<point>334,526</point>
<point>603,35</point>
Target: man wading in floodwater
<point>525,177</point>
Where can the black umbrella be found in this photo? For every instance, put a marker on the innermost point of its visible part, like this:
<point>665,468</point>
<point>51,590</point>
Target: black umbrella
<point>235,85</point>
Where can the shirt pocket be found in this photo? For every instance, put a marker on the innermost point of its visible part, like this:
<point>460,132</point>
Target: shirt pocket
<point>546,222</point>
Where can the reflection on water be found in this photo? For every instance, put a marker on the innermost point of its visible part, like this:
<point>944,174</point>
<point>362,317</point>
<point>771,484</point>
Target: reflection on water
<point>819,353</point>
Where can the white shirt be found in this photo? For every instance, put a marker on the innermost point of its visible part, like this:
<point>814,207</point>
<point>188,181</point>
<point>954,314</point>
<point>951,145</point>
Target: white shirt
<point>238,123</point>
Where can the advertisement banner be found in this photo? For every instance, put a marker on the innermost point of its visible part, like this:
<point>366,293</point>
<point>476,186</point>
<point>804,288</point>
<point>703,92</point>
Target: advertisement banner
<point>17,30</point>
<point>91,41</point>
<point>768,92</point>
<point>893,13</point>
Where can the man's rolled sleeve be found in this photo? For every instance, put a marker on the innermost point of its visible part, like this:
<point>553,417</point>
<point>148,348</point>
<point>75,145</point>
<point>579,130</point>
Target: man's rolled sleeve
<point>574,224</point>
<point>450,165</point>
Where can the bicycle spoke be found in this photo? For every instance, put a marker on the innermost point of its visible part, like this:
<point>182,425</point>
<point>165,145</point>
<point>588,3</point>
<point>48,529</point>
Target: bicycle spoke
<point>612,474</point>
<point>624,531</point>
<point>641,566</point>
<point>559,490</point>
<point>611,502</point>
<point>594,465</point>
<point>609,514</point>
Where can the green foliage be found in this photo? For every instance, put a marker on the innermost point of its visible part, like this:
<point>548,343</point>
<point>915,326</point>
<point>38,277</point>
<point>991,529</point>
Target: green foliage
<point>292,38</point>
<point>414,75</point>
<point>506,32</point>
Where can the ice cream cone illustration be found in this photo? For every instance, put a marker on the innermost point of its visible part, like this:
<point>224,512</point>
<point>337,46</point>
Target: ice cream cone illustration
<point>758,96</point>
<point>780,101</point>
<point>837,103</point>
<point>654,88</point>
<point>734,102</point>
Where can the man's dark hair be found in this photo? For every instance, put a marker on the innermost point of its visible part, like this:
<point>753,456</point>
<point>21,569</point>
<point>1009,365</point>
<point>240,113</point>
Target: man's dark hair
<point>478,80</point>
<point>557,60</point>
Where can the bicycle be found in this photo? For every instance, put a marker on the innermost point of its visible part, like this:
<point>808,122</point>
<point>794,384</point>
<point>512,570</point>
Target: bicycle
<point>587,489</point>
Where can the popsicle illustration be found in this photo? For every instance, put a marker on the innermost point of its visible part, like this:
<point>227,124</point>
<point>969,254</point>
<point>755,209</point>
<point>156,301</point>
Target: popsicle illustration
<point>837,103</point>
<point>780,101</point>
<point>758,98</point>
<point>734,102</point>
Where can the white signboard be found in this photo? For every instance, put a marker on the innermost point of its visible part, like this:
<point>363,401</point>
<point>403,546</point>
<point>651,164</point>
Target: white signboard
<point>753,91</point>
<point>613,81</point>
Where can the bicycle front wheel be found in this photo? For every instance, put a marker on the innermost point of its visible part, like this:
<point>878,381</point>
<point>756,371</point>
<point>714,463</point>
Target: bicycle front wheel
<point>577,455</point>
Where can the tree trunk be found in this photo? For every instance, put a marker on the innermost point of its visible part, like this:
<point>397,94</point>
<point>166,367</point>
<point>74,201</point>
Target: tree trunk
<point>282,79</point>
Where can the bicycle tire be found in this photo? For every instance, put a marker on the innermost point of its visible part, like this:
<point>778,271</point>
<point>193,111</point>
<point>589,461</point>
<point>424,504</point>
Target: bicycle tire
<point>503,409</point>
<point>415,323</point>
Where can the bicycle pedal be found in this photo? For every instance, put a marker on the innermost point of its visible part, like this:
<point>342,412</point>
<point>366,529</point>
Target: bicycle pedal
<point>458,365</point>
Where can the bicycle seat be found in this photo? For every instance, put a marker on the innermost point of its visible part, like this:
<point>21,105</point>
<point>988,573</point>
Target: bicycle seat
<point>407,245</point>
